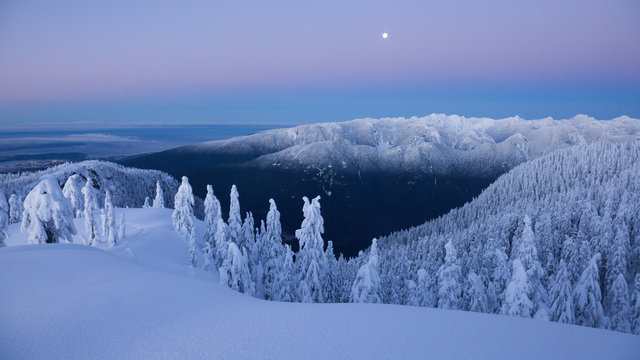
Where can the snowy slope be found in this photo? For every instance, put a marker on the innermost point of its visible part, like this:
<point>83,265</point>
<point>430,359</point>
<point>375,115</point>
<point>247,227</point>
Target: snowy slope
<point>437,143</point>
<point>137,301</point>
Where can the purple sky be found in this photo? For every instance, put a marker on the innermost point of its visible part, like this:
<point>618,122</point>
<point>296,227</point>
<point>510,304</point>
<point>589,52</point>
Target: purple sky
<point>122,49</point>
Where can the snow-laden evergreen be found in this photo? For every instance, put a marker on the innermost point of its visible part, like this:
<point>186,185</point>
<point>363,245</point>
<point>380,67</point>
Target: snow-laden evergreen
<point>4,219</point>
<point>449,277</point>
<point>517,301</point>
<point>72,190</point>
<point>235,221</point>
<point>182,217</point>
<point>366,287</point>
<point>48,215</point>
<point>588,297</point>
<point>90,205</point>
<point>110,221</point>
<point>158,201</point>
<point>272,253</point>
<point>15,209</point>
<point>310,259</point>
<point>212,214</point>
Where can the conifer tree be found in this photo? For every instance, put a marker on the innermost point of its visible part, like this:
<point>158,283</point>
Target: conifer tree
<point>235,222</point>
<point>221,242</point>
<point>561,296</point>
<point>212,215</point>
<point>90,205</point>
<point>310,258</point>
<point>158,201</point>
<point>72,191</point>
<point>516,298</point>
<point>48,215</point>
<point>182,216</point>
<point>234,272</point>
<point>366,287</point>
<point>146,204</point>
<point>449,288</point>
<point>271,252</point>
<point>619,308</point>
<point>422,293</point>
<point>588,297</point>
<point>15,209</point>
<point>287,280</point>
<point>475,294</point>
<point>110,221</point>
<point>528,254</point>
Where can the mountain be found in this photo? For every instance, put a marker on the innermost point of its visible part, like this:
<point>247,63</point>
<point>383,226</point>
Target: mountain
<point>139,301</point>
<point>376,175</point>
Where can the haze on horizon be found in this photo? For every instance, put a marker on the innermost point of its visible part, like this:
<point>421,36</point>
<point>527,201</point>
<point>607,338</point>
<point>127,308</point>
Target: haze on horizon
<point>90,62</point>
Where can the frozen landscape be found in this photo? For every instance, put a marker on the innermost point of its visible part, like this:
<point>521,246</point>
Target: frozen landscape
<point>529,268</point>
<point>320,180</point>
<point>138,301</point>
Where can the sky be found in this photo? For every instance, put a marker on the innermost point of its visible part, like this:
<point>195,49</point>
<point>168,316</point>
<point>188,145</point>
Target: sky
<point>142,62</point>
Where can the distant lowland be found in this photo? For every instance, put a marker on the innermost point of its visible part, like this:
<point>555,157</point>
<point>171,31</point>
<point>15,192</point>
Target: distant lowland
<point>36,150</point>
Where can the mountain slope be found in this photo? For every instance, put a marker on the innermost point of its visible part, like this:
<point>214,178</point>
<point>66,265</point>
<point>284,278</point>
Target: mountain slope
<point>375,175</point>
<point>574,205</point>
<point>136,301</point>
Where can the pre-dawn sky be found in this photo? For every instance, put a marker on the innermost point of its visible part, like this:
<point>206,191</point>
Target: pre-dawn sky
<point>301,61</point>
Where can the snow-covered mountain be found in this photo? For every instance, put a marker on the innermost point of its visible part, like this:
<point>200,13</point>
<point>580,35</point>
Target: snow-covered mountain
<point>438,143</point>
<point>128,186</point>
<point>138,301</point>
<point>376,176</point>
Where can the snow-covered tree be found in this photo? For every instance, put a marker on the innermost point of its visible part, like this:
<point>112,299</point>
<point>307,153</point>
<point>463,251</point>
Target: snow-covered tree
<point>48,215</point>
<point>212,215</point>
<point>588,297</point>
<point>619,308</point>
<point>158,201</point>
<point>4,205</point>
<point>15,208</point>
<point>310,258</point>
<point>527,252</point>
<point>90,205</point>
<point>516,296</point>
<point>561,296</point>
<point>247,238</point>
<point>475,294</point>
<point>422,293</point>
<point>234,272</point>
<point>110,221</point>
<point>221,243</point>
<point>449,275</point>
<point>271,252</point>
<point>72,191</point>
<point>182,216</point>
<point>500,275</point>
<point>147,203</point>
<point>4,222</point>
<point>287,279</point>
<point>235,221</point>
<point>366,287</point>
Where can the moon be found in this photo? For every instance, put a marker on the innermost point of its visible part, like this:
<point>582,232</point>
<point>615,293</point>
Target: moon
<point>385,35</point>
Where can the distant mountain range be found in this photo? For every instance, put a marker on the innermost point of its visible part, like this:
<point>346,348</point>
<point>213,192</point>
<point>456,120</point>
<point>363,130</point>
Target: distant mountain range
<point>376,175</point>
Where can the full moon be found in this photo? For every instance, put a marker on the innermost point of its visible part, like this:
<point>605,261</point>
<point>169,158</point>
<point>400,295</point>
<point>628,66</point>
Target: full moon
<point>385,35</point>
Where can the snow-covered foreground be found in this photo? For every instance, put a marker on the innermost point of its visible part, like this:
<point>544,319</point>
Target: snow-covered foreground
<point>137,301</point>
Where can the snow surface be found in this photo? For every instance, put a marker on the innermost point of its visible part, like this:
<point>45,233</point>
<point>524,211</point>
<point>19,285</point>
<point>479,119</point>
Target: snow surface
<point>137,301</point>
